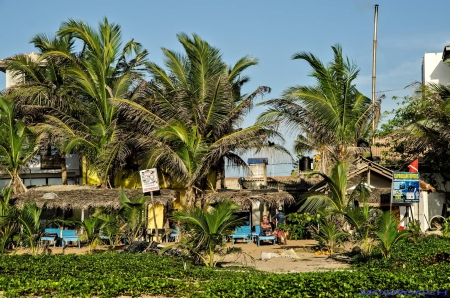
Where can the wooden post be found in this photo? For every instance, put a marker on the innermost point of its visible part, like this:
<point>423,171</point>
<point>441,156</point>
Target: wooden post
<point>154,216</point>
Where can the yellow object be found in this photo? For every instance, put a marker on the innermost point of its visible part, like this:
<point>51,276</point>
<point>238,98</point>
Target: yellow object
<point>159,212</point>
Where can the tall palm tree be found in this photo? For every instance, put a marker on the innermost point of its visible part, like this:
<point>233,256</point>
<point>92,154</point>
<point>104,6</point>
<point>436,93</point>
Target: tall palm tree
<point>207,229</point>
<point>189,123</point>
<point>103,70</point>
<point>46,89</point>
<point>330,116</point>
<point>18,145</point>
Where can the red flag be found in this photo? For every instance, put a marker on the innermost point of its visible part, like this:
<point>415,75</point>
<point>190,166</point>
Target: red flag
<point>414,166</point>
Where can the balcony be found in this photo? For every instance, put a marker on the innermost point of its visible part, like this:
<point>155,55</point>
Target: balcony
<point>50,162</point>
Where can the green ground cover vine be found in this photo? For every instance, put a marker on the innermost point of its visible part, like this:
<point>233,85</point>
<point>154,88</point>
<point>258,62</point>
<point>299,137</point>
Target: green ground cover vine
<point>412,266</point>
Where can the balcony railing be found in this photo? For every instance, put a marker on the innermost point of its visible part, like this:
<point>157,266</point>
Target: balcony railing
<point>50,162</point>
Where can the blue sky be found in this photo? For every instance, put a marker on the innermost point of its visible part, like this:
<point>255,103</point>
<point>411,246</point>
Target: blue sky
<point>270,31</point>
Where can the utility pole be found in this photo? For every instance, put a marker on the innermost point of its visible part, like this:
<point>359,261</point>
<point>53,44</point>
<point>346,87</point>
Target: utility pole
<point>374,71</point>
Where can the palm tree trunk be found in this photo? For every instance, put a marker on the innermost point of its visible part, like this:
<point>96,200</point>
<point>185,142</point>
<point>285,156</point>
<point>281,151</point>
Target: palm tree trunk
<point>189,196</point>
<point>18,186</point>
<point>220,175</point>
<point>62,164</point>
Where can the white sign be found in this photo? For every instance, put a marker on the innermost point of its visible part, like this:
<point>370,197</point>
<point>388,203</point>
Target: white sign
<point>149,180</point>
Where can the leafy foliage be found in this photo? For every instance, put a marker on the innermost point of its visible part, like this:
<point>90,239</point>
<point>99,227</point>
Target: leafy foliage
<point>18,145</point>
<point>330,116</point>
<point>419,127</point>
<point>142,274</point>
<point>206,230</point>
<point>298,224</point>
<point>387,233</point>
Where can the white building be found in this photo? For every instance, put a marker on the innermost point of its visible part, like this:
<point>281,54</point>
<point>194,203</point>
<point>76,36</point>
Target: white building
<point>435,67</point>
<point>45,168</point>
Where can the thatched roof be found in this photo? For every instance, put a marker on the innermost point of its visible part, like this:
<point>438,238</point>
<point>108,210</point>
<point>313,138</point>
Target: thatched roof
<point>83,197</point>
<point>245,198</point>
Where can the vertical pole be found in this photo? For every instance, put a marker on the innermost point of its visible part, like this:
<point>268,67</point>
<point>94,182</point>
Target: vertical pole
<point>374,70</point>
<point>273,171</point>
<point>154,216</point>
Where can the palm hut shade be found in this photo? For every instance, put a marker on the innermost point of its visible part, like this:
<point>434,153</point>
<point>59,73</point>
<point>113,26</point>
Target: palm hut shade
<point>83,197</point>
<point>245,198</point>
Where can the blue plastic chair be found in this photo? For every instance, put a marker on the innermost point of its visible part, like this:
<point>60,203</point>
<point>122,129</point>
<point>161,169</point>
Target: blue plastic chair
<point>70,236</point>
<point>255,234</point>
<point>50,234</point>
<point>243,232</point>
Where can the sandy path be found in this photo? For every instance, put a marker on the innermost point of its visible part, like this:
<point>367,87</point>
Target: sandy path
<point>307,262</point>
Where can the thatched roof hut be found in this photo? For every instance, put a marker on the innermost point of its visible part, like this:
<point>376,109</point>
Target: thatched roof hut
<point>245,198</point>
<point>84,196</point>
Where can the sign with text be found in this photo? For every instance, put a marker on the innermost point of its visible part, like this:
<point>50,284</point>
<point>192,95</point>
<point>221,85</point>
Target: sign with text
<point>149,180</point>
<point>405,188</point>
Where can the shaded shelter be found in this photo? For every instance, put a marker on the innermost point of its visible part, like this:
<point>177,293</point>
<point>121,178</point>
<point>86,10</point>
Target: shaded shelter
<point>253,201</point>
<point>245,198</point>
<point>84,196</point>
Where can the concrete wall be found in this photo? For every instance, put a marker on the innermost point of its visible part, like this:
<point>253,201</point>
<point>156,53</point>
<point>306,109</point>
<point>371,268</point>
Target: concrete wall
<point>434,70</point>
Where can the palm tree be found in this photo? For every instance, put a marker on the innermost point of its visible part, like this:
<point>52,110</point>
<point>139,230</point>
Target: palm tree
<point>132,212</point>
<point>18,145</point>
<point>8,223</point>
<point>91,232</point>
<point>189,123</point>
<point>207,229</point>
<point>387,233</point>
<point>29,220</point>
<point>329,235</point>
<point>46,89</point>
<point>336,198</point>
<point>103,70</point>
<point>330,116</point>
<point>362,218</point>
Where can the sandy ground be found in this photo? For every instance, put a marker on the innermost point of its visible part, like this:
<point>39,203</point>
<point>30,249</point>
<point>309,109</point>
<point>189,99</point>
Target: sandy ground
<point>308,261</point>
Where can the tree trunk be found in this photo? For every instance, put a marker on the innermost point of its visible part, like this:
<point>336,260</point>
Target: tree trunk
<point>18,186</point>
<point>189,197</point>
<point>220,175</point>
<point>62,164</point>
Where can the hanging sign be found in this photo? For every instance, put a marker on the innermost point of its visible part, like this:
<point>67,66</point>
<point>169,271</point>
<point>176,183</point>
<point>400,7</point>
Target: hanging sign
<point>149,180</point>
<point>405,188</point>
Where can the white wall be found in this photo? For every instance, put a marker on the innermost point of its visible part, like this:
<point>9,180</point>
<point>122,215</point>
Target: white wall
<point>431,204</point>
<point>435,70</point>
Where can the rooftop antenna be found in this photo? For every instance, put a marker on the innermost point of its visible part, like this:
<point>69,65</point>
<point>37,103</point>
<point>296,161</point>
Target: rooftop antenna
<point>374,70</point>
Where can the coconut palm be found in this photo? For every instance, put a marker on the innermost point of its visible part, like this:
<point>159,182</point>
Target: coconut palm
<point>330,116</point>
<point>18,145</point>
<point>362,218</point>
<point>207,229</point>
<point>45,89</point>
<point>336,199</point>
<point>103,70</point>
<point>91,232</point>
<point>29,220</point>
<point>329,235</point>
<point>132,212</point>
<point>8,224</point>
<point>194,107</point>
<point>387,233</point>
